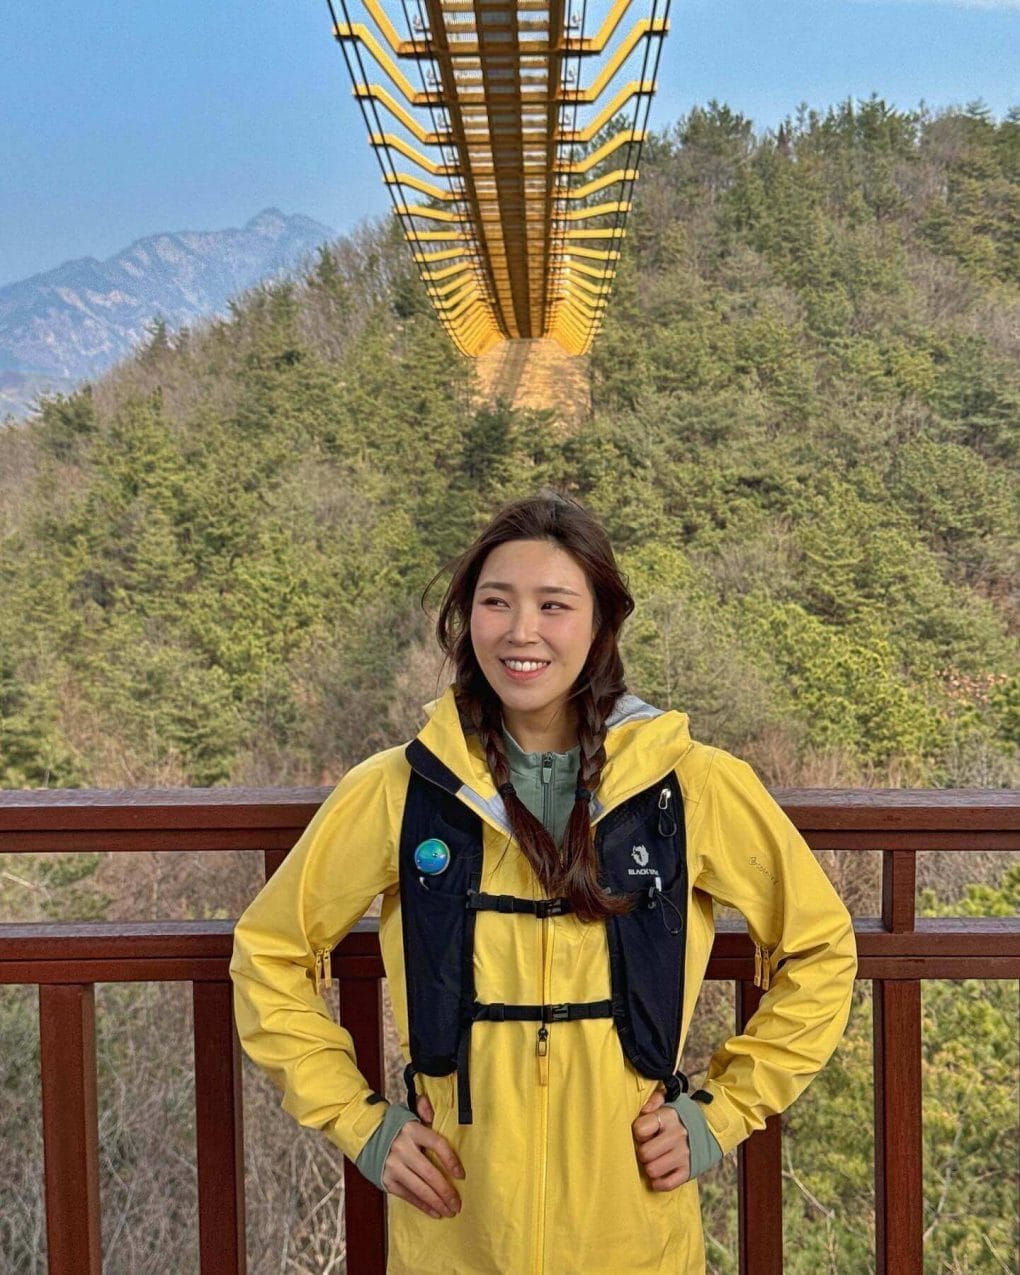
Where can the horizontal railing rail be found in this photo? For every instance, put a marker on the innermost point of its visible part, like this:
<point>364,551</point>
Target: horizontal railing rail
<point>896,951</point>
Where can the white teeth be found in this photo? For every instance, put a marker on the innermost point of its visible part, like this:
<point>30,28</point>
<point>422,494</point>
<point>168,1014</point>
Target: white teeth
<point>525,666</point>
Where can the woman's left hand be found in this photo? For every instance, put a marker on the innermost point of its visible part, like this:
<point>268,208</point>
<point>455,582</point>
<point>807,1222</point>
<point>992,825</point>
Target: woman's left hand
<point>660,1140</point>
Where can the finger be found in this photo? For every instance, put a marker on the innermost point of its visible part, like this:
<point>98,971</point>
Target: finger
<point>671,1136</point>
<point>650,1126</point>
<point>655,1147</point>
<point>438,1145</point>
<point>669,1162</point>
<point>424,1109</point>
<point>671,1182</point>
<point>424,1181</point>
<point>403,1194</point>
<point>418,1160</point>
<point>657,1100</point>
<point>408,1151</point>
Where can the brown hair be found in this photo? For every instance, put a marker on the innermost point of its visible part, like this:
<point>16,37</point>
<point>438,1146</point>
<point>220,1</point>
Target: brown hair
<point>563,520</point>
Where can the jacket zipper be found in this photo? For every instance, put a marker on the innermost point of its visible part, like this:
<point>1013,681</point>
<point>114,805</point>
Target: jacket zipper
<point>322,968</point>
<point>762,968</point>
<point>543,1042</point>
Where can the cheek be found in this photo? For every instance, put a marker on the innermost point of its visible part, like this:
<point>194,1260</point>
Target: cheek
<point>580,639</point>
<point>481,631</point>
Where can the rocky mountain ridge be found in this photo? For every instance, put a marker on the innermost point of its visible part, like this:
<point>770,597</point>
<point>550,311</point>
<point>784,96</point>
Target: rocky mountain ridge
<point>71,323</point>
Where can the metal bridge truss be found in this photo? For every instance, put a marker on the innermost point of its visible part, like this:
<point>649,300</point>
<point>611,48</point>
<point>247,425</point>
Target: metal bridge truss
<point>512,160</point>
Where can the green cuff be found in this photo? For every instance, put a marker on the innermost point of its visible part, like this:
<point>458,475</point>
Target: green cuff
<point>373,1154</point>
<point>705,1151</point>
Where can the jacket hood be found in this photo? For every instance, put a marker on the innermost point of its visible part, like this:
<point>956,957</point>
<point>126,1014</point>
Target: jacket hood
<point>643,743</point>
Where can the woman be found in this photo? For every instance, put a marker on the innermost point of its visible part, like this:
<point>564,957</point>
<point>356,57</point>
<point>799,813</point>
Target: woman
<point>547,849</point>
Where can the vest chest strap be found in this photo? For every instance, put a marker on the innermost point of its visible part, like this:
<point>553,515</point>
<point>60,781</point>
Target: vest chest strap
<point>541,908</point>
<point>568,1012</point>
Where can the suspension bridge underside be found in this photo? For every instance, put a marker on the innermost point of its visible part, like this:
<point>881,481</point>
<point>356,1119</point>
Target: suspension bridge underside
<point>509,136</point>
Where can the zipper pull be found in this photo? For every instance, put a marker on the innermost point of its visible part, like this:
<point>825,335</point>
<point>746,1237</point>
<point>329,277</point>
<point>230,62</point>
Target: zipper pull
<point>542,1052</point>
<point>762,968</point>
<point>547,767</point>
<point>667,824</point>
<point>322,972</point>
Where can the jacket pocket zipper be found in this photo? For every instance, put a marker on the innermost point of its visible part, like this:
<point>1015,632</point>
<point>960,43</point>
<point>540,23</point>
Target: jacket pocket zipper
<point>322,970</point>
<point>762,968</point>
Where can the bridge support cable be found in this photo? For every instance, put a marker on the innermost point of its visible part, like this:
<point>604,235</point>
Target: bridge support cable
<point>512,166</point>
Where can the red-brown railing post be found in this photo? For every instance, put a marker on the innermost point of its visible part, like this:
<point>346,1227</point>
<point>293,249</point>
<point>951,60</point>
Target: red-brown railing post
<point>899,1144</point>
<point>364,1205</point>
<point>219,1132</point>
<point>759,1177</point>
<point>67,1047</point>
<point>271,860</point>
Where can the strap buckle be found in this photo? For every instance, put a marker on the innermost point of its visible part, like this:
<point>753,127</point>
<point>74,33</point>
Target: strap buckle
<point>555,1013</point>
<point>551,907</point>
<point>675,1085</point>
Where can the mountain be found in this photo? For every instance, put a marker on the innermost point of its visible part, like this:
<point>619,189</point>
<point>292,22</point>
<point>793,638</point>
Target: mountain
<point>72,323</point>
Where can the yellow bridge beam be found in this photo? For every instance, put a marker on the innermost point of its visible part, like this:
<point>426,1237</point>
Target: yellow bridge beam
<point>505,147</point>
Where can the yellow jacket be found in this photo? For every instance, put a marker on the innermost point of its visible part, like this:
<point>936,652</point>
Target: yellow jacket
<point>552,1183</point>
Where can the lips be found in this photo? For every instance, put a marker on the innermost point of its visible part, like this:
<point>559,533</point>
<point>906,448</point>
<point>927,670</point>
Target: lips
<point>523,675</point>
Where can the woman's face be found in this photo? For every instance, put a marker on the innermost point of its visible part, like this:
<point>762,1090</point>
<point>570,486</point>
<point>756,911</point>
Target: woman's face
<point>533,604</point>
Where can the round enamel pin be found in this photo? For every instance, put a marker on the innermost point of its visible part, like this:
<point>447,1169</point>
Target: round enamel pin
<point>432,857</point>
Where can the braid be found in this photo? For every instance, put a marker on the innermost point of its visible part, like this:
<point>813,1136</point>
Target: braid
<point>579,880</point>
<point>486,718</point>
<point>591,732</point>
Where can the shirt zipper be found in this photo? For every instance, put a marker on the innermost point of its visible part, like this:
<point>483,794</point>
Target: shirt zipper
<point>547,773</point>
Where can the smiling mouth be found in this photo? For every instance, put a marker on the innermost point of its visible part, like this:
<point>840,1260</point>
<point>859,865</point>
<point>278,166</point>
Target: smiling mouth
<point>525,666</point>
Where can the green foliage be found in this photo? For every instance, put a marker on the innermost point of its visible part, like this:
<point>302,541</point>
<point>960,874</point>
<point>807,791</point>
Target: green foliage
<point>846,686</point>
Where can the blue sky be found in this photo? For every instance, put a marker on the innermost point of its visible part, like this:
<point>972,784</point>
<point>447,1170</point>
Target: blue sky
<point>121,119</point>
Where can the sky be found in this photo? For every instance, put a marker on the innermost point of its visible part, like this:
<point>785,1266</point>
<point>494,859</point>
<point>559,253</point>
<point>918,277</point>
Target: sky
<point>120,120</point>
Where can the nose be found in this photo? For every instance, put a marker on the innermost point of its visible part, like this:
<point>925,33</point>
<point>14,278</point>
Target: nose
<point>522,625</point>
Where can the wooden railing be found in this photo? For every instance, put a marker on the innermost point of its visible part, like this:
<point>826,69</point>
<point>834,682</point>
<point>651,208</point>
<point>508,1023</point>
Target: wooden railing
<point>896,951</point>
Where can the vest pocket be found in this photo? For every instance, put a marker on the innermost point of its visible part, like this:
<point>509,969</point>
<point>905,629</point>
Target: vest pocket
<point>639,846</point>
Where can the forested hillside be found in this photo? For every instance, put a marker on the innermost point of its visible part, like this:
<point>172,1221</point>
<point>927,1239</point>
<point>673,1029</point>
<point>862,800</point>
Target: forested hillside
<point>806,412</point>
<point>805,425</point>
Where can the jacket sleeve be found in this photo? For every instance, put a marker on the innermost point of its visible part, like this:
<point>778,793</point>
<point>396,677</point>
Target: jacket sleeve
<point>345,857</point>
<point>751,857</point>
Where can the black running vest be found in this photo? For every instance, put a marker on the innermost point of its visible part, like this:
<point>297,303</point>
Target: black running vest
<point>641,848</point>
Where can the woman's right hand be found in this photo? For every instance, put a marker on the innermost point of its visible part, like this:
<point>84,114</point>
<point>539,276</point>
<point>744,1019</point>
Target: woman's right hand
<point>410,1175</point>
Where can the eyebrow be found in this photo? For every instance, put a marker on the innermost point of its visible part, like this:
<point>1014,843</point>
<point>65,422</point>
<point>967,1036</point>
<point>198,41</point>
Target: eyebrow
<point>542,588</point>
